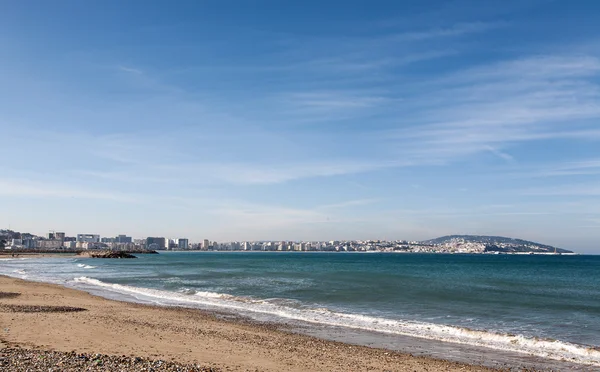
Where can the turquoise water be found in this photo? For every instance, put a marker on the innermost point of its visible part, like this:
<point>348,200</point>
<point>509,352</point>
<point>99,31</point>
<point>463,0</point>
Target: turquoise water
<point>541,305</point>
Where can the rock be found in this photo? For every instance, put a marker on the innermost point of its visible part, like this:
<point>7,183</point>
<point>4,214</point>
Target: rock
<point>106,254</point>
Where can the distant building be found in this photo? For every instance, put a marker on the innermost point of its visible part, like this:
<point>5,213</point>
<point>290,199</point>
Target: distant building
<point>155,243</point>
<point>90,245</point>
<point>16,243</point>
<point>118,239</point>
<point>49,244</point>
<point>88,238</point>
<point>205,244</point>
<point>183,243</point>
<point>122,246</point>
<point>59,235</point>
<point>123,239</point>
<point>170,244</point>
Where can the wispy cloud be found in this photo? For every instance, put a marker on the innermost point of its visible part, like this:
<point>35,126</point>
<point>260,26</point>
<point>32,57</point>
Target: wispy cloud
<point>456,30</point>
<point>131,70</point>
<point>254,174</point>
<point>349,203</point>
<point>588,167</point>
<point>24,188</point>
<point>534,99</point>
<point>501,154</point>
<point>576,190</point>
<point>336,100</point>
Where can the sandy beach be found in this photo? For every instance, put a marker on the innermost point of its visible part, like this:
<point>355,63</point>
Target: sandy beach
<point>46,317</point>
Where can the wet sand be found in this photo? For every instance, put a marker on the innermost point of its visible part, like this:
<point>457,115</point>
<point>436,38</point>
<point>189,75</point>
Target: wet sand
<point>50,317</point>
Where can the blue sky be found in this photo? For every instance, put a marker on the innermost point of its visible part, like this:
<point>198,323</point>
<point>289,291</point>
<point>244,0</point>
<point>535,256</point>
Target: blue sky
<point>235,120</point>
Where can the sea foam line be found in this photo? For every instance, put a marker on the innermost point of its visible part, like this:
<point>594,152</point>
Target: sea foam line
<point>553,349</point>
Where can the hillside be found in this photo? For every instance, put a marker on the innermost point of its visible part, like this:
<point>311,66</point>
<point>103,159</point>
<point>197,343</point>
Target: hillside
<point>495,244</point>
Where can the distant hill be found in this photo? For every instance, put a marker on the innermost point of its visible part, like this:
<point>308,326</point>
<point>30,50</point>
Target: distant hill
<point>496,243</point>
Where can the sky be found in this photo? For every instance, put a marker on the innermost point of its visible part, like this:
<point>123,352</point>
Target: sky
<point>312,120</point>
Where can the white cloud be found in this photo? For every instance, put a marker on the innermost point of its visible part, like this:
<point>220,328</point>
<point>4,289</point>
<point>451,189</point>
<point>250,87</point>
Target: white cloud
<point>492,107</point>
<point>348,203</point>
<point>589,167</point>
<point>459,29</point>
<point>336,100</point>
<point>131,70</point>
<point>501,154</point>
<point>578,190</point>
<point>25,188</point>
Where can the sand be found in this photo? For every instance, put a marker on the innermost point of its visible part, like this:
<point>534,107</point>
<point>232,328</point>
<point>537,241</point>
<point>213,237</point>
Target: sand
<point>93,324</point>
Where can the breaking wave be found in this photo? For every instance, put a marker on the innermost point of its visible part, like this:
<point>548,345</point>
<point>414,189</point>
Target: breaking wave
<point>295,310</point>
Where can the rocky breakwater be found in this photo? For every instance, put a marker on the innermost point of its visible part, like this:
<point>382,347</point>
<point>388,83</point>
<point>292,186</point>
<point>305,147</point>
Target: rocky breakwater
<point>105,254</point>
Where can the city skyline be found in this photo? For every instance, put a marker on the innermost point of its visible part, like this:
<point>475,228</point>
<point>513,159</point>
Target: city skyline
<point>23,242</point>
<point>302,122</point>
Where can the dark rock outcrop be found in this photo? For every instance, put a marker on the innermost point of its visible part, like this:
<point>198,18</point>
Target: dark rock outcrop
<point>106,254</point>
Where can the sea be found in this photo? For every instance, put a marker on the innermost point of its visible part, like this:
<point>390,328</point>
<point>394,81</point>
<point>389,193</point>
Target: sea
<point>501,310</point>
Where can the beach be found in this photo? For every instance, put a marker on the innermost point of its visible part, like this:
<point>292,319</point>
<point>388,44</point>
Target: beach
<point>83,323</point>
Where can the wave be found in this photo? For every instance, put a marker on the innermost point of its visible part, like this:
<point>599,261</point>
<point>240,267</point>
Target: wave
<point>16,259</point>
<point>290,309</point>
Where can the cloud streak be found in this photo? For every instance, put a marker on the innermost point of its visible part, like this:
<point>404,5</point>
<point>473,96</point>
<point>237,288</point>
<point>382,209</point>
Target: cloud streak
<point>457,30</point>
<point>29,189</point>
<point>528,100</point>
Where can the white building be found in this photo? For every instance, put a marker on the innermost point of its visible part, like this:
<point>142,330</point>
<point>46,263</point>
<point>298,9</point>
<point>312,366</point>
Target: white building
<point>88,238</point>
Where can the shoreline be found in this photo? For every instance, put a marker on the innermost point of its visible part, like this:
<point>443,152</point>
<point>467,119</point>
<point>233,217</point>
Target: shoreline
<point>22,255</point>
<point>183,335</point>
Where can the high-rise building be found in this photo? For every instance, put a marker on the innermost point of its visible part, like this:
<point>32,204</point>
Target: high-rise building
<point>59,235</point>
<point>170,244</point>
<point>88,238</point>
<point>155,243</point>
<point>205,244</point>
<point>183,243</point>
<point>123,239</point>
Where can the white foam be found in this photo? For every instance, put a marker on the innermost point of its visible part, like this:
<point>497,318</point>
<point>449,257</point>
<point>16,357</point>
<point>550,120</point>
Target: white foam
<point>553,349</point>
<point>84,266</point>
<point>16,259</point>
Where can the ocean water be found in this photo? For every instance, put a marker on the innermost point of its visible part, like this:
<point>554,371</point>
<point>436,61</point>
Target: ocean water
<point>540,306</point>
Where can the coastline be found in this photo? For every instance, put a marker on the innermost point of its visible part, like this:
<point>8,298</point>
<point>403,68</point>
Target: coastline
<point>20,254</point>
<point>211,339</point>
